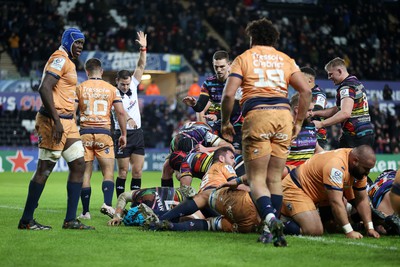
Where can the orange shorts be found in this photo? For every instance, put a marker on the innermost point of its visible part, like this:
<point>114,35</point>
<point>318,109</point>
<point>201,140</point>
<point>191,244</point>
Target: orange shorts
<point>240,213</point>
<point>267,132</point>
<point>295,199</point>
<point>44,128</point>
<point>99,145</point>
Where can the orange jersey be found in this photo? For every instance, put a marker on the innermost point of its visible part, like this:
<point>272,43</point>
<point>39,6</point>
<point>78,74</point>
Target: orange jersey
<point>265,72</point>
<point>60,66</point>
<point>96,98</point>
<point>327,170</point>
<point>218,174</point>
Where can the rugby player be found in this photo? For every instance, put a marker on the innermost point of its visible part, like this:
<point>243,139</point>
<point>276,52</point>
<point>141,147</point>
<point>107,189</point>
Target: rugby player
<point>58,132</point>
<point>323,180</point>
<point>95,99</point>
<point>264,74</point>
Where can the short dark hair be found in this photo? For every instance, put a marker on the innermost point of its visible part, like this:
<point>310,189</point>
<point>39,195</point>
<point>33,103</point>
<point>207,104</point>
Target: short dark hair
<point>220,152</point>
<point>309,71</point>
<point>221,54</point>
<point>124,74</point>
<point>262,32</point>
<point>93,64</point>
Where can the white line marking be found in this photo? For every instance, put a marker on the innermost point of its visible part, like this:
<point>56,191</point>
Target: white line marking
<point>19,208</point>
<point>331,241</point>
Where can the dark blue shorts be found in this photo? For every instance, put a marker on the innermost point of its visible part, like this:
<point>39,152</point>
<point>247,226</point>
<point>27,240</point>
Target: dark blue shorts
<point>135,144</point>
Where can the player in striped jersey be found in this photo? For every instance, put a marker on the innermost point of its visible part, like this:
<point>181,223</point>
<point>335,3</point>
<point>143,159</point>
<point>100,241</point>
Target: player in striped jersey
<point>351,108</point>
<point>305,144</point>
<point>319,100</point>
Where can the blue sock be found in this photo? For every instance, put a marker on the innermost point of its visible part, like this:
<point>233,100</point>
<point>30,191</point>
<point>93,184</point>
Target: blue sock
<point>73,192</point>
<point>186,207</point>
<point>34,192</point>
<point>277,204</point>
<point>136,183</point>
<point>192,225</point>
<point>264,206</point>
<point>108,192</point>
<point>291,228</point>
<point>85,199</point>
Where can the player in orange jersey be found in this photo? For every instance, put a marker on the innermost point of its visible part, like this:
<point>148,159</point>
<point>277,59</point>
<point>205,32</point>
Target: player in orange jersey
<point>325,179</point>
<point>58,132</point>
<point>95,99</point>
<point>265,74</point>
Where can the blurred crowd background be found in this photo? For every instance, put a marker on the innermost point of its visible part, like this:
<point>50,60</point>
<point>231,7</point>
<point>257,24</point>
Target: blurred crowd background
<point>364,33</point>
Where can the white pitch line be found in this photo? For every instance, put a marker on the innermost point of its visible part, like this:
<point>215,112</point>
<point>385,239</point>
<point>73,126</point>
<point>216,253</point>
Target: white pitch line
<point>331,241</point>
<point>19,208</point>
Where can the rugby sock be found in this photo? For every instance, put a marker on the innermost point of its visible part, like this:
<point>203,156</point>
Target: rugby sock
<point>192,225</point>
<point>108,191</point>
<point>85,199</point>
<point>167,183</point>
<point>264,206</point>
<point>291,228</point>
<point>184,208</point>
<point>34,192</point>
<point>136,183</point>
<point>277,204</point>
<point>73,192</point>
<point>120,186</point>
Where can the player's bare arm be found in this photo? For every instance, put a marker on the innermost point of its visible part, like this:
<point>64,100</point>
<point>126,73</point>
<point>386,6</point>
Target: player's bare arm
<point>141,64</point>
<point>364,209</point>
<point>228,100</point>
<point>46,94</point>
<point>339,211</point>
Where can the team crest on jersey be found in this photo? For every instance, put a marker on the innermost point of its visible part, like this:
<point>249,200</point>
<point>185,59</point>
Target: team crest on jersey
<point>58,63</point>
<point>336,176</point>
<point>107,150</point>
<point>289,206</point>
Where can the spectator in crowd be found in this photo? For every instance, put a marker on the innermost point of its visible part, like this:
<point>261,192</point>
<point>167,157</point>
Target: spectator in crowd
<point>152,89</point>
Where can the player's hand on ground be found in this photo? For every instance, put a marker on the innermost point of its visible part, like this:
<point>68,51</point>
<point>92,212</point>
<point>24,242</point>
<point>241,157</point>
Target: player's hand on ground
<point>58,131</point>
<point>114,222</point>
<point>228,132</point>
<point>122,142</point>
<point>189,101</point>
<point>142,39</point>
<point>132,124</point>
<point>373,233</point>
<point>354,235</point>
<point>210,117</point>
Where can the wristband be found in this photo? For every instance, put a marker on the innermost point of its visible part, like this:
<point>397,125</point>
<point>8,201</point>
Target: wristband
<point>347,228</point>
<point>129,119</point>
<point>143,49</point>
<point>239,180</point>
<point>370,226</point>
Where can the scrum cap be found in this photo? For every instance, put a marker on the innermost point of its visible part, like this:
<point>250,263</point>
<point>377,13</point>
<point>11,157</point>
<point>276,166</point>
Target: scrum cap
<point>69,36</point>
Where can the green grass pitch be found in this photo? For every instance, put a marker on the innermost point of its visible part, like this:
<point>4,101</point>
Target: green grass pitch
<point>131,246</point>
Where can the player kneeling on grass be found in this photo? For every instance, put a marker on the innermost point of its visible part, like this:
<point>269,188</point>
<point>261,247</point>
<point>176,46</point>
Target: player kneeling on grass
<point>324,179</point>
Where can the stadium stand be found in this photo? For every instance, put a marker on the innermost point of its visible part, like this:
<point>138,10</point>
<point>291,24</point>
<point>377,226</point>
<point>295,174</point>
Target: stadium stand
<point>365,33</point>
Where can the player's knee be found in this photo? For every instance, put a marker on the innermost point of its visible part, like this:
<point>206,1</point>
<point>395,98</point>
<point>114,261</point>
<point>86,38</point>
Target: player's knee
<point>312,230</point>
<point>74,152</point>
<point>136,173</point>
<point>49,155</point>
